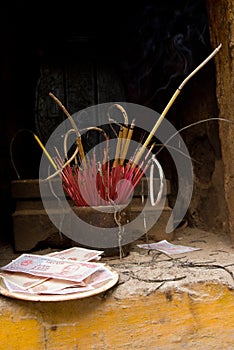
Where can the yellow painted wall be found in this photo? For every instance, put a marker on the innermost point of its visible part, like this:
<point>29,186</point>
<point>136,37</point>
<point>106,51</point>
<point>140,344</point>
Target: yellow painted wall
<point>202,319</point>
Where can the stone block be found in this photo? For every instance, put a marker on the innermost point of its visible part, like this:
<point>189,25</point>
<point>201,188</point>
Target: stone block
<point>33,228</point>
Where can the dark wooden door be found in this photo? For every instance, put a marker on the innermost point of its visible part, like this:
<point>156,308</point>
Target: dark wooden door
<point>78,86</point>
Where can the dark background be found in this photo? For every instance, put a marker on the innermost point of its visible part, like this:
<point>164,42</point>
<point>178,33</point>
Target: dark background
<point>152,46</point>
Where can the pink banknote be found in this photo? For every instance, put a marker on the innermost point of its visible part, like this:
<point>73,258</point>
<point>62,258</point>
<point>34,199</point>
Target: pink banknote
<point>45,266</point>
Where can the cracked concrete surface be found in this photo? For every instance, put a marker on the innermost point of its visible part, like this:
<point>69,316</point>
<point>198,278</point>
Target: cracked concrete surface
<point>142,272</point>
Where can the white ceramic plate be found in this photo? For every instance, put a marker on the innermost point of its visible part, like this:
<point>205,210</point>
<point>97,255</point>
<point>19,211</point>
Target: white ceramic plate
<point>57,297</point>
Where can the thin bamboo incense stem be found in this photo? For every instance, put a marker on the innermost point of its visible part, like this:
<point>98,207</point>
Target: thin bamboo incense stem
<point>124,113</point>
<point>81,150</point>
<point>45,151</point>
<point>170,103</point>
<point>79,141</point>
<point>199,67</point>
<point>118,147</point>
<point>125,127</point>
<point>105,155</point>
<point>59,103</point>
<point>127,143</point>
<point>147,141</point>
<point>98,129</point>
<point>123,140</point>
<point>122,132</point>
<point>64,165</point>
<point>150,150</point>
<point>65,141</point>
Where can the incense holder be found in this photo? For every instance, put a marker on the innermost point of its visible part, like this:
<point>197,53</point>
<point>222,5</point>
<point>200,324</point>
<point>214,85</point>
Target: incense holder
<point>33,229</point>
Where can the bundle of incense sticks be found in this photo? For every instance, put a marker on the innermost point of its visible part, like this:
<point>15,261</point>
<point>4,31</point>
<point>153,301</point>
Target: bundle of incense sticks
<point>99,183</point>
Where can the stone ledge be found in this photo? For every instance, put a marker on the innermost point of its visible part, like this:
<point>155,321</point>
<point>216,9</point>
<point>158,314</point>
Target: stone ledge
<point>161,321</point>
<point>160,302</point>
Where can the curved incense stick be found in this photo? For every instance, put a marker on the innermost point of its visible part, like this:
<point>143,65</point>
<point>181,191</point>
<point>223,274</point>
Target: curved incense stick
<point>123,133</point>
<point>170,103</point>
<point>79,142</point>
<point>124,113</point>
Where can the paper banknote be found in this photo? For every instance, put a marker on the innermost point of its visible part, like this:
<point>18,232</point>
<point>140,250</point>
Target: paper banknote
<point>165,247</point>
<point>78,254</point>
<point>45,266</point>
<point>13,282</point>
<point>62,272</point>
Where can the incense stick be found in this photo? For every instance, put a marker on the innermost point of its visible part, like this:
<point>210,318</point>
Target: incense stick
<point>118,147</point>
<point>45,151</point>
<point>123,141</point>
<point>170,103</point>
<point>127,143</point>
<point>79,141</point>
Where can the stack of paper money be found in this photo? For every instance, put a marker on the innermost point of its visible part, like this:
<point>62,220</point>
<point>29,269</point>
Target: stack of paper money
<point>69,271</point>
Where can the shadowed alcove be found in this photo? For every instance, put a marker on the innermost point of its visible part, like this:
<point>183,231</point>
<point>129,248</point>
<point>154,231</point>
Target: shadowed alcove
<point>89,54</point>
